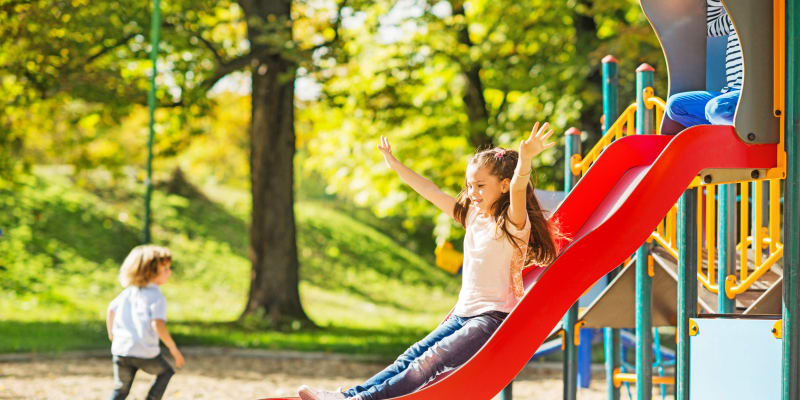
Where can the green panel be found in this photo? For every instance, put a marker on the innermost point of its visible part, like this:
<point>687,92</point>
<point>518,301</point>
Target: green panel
<point>791,256</point>
<point>687,287</point>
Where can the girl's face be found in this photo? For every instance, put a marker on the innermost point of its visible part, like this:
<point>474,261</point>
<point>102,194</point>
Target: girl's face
<point>484,188</point>
<point>164,272</point>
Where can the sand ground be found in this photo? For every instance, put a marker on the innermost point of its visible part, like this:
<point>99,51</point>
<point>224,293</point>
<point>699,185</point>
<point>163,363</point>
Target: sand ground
<point>231,374</point>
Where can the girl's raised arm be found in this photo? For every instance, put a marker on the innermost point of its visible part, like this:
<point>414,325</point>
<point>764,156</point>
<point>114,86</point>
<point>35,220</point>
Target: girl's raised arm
<point>529,148</point>
<point>419,183</point>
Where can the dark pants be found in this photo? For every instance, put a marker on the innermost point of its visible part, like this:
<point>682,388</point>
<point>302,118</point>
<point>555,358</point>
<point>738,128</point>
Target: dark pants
<point>125,369</point>
<point>447,347</point>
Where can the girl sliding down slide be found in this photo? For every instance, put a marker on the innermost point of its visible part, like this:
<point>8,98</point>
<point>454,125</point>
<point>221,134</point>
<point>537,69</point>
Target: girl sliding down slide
<point>506,230</point>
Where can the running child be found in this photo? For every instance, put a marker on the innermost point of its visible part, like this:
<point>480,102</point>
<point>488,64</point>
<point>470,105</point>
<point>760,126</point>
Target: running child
<point>136,320</point>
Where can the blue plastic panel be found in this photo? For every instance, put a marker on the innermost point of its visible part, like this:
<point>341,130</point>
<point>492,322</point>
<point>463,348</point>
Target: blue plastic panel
<point>733,359</point>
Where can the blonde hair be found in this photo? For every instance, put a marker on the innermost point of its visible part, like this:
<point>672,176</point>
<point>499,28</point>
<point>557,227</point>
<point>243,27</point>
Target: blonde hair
<point>141,265</point>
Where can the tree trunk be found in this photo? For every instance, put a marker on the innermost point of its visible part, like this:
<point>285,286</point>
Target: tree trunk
<point>273,248</point>
<point>474,102</point>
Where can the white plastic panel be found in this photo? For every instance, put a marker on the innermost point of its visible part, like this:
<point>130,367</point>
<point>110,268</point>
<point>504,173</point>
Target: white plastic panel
<point>735,359</point>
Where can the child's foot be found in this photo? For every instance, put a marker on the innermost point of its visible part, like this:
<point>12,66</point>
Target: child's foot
<point>308,393</point>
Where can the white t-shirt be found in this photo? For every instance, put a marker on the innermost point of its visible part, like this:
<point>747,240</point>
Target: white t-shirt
<point>134,310</point>
<point>492,270</point>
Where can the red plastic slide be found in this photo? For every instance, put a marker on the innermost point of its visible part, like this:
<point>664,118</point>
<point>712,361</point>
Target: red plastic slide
<point>608,215</point>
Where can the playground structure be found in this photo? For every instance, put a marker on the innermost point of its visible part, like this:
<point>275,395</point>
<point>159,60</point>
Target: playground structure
<point>621,211</point>
<point>679,254</point>
<point>725,255</point>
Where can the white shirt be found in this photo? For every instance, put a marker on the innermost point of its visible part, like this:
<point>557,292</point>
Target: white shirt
<point>491,274</point>
<point>134,310</point>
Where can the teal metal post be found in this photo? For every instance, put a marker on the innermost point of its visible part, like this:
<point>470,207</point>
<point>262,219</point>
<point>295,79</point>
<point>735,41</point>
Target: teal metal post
<point>610,92</point>
<point>687,287</point>
<point>659,363</point>
<point>611,339</point>
<point>791,227</point>
<point>572,138</point>
<point>155,33</point>
<point>507,393</point>
<point>644,323</point>
<point>644,326</point>
<point>726,242</point>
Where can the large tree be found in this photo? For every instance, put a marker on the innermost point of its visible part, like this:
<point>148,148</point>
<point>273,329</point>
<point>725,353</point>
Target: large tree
<point>96,53</point>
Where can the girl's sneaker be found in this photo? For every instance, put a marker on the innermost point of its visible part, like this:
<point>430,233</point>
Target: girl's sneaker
<point>308,393</point>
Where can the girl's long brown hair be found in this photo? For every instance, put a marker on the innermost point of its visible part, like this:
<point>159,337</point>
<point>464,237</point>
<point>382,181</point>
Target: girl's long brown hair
<point>501,164</point>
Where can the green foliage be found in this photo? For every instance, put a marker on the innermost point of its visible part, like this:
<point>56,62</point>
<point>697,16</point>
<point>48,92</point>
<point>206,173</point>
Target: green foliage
<point>63,243</point>
<point>367,261</point>
<point>76,76</point>
<point>402,73</point>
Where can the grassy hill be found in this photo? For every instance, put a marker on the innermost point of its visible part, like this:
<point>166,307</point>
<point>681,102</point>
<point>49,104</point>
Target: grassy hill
<point>64,238</point>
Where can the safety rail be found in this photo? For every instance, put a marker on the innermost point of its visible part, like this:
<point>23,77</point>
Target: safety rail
<point>752,234</point>
<point>619,377</point>
<point>751,230</point>
<point>626,120</point>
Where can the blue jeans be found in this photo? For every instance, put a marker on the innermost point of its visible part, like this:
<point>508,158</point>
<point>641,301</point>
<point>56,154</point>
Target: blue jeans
<point>125,369</point>
<point>703,108</point>
<point>447,347</point>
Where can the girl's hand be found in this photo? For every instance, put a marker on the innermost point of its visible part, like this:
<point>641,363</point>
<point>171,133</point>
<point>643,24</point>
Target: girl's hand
<point>536,142</point>
<point>386,150</point>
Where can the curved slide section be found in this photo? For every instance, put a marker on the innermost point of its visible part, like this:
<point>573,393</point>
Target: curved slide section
<point>607,216</point>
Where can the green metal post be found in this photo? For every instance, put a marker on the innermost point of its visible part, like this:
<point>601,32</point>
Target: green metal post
<point>644,326</point>
<point>507,393</point>
<point>572,143</point>
<point>791,210</point>
<point>726,219</point>
<point>572,138</point>
<point>155,33</point>
<point>610,92</point>
<point>644,323</point>
<point>659,363</point>
<point>611,340</point>
<point>687,287</point>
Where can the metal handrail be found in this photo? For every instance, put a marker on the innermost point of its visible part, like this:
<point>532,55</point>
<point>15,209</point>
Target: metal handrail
<point>580,165</point>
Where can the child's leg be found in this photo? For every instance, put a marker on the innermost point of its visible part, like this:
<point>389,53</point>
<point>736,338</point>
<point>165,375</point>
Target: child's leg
<point>447,354</point>
<point>721,109</point>
<point>404,360</point>
<point>123,378</point>
<point>159,367</point>
<point>688,108</point>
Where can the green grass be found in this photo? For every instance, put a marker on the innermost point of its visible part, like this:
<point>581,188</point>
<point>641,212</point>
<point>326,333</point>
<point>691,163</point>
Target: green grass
<point>64,238</point>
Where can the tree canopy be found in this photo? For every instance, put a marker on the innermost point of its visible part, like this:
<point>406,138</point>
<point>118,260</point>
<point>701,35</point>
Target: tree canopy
<point>244,84</point>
